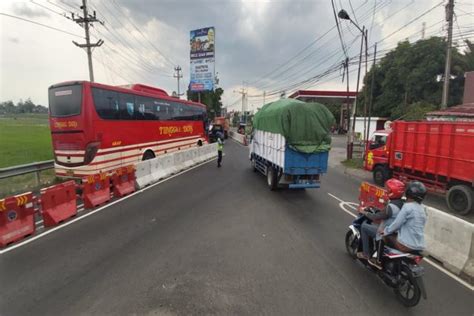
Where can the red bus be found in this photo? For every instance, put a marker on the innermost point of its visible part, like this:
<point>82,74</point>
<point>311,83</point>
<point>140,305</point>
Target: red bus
<point>97,128</point>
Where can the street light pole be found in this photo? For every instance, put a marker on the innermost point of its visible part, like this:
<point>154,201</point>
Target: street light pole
<point>351,129</point>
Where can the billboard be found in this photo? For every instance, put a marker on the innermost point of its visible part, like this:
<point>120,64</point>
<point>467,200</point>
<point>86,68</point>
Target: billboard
<point>202,53</point>
<point>202,43</point>
<point>202,74</point>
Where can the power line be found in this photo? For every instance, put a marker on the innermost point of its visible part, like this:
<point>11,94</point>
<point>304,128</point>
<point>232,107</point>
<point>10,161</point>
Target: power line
<point>50,10</point>
<point>40,24</point>
<point>295,66</point>
<point>141,33</point>
<point>145,60</point>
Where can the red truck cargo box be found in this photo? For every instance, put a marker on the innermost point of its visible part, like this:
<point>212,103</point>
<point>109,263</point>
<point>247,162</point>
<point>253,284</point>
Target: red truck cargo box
<point>436,148</point>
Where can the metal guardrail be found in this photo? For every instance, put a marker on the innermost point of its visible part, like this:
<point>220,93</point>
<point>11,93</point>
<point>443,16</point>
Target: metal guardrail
<point>19,170</point>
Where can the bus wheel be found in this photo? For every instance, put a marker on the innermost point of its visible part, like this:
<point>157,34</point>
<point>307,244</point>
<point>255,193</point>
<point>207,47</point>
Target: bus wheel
<point>460,199</point>
<point>199,143</point>
<point>148,155</point>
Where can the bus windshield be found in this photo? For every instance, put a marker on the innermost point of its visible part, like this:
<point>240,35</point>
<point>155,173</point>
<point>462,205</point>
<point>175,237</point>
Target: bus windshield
<point>65,101</point>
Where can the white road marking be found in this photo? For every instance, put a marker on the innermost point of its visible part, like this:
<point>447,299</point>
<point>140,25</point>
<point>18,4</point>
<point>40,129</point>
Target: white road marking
<point>342,203</point>
<point>49,231</point>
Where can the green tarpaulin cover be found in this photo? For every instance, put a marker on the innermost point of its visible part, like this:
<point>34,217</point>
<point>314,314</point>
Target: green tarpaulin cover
<point>306,126</point>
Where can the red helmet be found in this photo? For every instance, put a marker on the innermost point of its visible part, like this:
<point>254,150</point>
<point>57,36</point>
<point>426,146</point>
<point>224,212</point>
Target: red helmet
<point>395,188</point>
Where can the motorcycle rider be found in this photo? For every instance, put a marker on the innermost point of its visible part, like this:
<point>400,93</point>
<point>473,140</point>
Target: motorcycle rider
<point>410,221</point>
<point>395,189</point>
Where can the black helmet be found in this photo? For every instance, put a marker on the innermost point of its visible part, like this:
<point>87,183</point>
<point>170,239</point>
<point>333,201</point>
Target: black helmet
<point>416,191</point>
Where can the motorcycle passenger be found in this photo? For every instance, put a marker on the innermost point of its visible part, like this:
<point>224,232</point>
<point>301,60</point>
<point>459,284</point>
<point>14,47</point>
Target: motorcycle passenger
<point>395,190</point>
<point>410,221</point>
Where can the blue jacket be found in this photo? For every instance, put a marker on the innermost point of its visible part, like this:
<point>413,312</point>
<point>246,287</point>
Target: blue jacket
<point>410,224</point>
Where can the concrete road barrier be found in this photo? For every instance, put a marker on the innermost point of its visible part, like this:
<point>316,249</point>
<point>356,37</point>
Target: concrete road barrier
<point>450,240</point>
<point>143,173</point>
<point>242,139</point>
<point>153,170</point>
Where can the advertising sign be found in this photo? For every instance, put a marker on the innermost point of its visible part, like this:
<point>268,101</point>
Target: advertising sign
<point>202,74</point>
<point>202,45</point>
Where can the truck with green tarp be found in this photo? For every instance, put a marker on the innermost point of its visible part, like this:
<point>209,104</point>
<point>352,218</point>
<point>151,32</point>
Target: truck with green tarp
<point>290,143</point>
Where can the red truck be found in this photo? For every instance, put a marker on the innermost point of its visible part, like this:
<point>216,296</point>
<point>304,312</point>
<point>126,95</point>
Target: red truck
<point>440,154</point>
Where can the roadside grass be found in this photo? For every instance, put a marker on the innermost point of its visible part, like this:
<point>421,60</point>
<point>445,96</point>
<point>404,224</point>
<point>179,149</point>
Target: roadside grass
<point>27,182</point>
<point>354,163</point>
<point>24,138</point>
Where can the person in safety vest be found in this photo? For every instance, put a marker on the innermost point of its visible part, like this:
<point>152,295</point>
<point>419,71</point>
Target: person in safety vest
<point>380,220</point>
<point>220,148</point>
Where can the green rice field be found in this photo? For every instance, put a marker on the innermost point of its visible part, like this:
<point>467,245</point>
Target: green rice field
<point>24,139</point>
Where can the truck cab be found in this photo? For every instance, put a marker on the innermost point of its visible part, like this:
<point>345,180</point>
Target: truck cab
<point>377,156</point>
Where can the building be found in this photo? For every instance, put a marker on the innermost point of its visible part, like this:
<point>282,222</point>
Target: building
<point>343,99</point>
<point>463,112</point>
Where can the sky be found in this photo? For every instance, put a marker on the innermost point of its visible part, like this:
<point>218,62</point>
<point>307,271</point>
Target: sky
<point>266,47</point>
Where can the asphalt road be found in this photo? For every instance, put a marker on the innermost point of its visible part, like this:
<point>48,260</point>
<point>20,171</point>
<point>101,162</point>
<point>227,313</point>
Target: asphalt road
<point>211,241</point>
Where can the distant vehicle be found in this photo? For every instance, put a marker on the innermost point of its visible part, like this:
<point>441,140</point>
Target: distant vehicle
<point>241,128</point>
<point>223,124</point>
<point>439,154</point>
<point>298,164</point>
<point>97,128</point>
<point>214,131</point>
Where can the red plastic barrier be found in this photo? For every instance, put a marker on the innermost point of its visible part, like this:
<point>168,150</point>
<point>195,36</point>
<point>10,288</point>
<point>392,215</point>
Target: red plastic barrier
<point>372,196</point>
<point>16,218</point>
<point>58,203</point>
<point>96,190</point>
<point>123,181</point>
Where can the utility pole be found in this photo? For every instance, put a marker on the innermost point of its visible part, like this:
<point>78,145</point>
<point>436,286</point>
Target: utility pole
<point>178,76</point>
<point>264,95</point>
<point>447,69</point>
<point>348,114</point>
<point>85,21</point>
<point>423,30</point>
<point>243,92</point>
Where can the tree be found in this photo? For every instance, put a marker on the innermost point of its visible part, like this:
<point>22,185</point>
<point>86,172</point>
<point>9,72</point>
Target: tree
<point>7,107</point>
<point>26,106</point>
<point>212,100</point>
<point>408,75</point>
<point>416,111</point>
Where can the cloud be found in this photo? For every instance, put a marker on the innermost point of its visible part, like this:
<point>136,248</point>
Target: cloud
<point>269,45</point>
<point>27,10</point>
<point>14,40</point>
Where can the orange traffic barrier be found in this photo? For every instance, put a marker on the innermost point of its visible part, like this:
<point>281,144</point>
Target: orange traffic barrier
<point>372,196</point>
<point>96,190</point>
<point>58,203</point>
<point>123,181</point>
<point>16,218</point>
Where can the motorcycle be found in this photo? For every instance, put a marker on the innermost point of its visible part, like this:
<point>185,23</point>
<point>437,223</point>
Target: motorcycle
<point>400,271</point>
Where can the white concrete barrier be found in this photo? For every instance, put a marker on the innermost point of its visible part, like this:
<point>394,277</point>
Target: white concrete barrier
<point>238,137</point>
<point>450,240</point>
<point>143,174</point>
<point>163,166</point>
<point>157,169</point>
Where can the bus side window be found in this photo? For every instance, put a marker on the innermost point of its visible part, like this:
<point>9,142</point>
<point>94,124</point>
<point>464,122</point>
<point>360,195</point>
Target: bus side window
<point>106,103</point>
<point>127,106</point>
<point>144,108</point>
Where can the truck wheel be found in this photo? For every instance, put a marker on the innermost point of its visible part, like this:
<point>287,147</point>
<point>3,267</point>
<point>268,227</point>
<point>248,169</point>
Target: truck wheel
<point>381,175</point>
<point>460,199</point>
<point>272,178</point>
<point>254,164</point>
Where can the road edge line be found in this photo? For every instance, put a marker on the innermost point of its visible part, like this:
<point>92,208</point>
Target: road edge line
<point>49,231</point>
